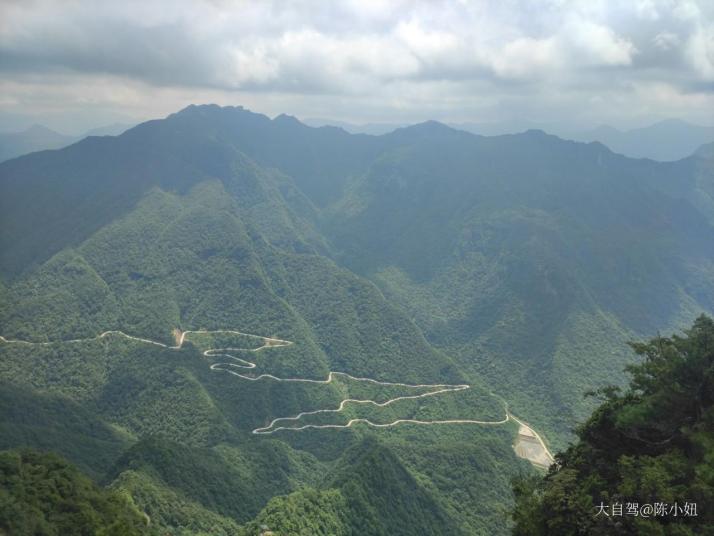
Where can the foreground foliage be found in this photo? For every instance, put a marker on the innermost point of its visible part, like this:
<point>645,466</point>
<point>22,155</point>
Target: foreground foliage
<point>652,444</point>
<point>43,495</point>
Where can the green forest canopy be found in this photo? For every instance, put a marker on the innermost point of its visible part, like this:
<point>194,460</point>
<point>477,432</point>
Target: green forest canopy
<point>651,446</point>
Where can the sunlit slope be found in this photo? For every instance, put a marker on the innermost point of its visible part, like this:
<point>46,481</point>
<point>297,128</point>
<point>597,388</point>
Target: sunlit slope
<point>190,263</point>
<point>100,323</point>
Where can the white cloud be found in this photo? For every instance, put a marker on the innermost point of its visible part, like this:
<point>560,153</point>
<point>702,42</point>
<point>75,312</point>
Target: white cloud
<point>666,40</point>
<point>647,9</point>
<point>596,44</point>
<point>700,51</point>
<point>424,57</point>
<point>526,57</point>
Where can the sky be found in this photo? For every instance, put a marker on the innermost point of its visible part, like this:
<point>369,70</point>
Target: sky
<point>76,64</point>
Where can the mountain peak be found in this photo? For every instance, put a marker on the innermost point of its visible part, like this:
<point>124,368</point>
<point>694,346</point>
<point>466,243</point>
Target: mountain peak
<point>431,125</point>
<point>537,132</point>
<point>428,129</point>
<point>287,118</point>
<point>209,109</point>
<point>38,129</point>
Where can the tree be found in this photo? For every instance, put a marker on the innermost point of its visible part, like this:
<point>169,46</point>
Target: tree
<point>42,494</point>
<point>649,448</point>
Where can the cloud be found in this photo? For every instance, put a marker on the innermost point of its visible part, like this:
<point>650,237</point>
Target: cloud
<point>666,40</point>
<point>527,57</point>
<point>377,56</point>
<point>597,44</point>
<point>700,51</point>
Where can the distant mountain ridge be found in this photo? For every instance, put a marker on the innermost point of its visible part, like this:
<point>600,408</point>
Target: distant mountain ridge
<point>375,129</point>
<point>518,264</point>
<point>34,138</point>
<point>667,140</point>
<point>671,139</point>
<point>41,138</point>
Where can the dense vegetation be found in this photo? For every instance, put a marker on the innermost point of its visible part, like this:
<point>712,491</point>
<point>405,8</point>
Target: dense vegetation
<point>517,264</point>
<point>529,259</point>
<point>652,444</point>
<point>43,495</point>
<point>372,492</point>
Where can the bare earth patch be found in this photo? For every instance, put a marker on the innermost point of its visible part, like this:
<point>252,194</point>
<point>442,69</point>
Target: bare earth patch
<point>529,446</point>
<point>177,333</point>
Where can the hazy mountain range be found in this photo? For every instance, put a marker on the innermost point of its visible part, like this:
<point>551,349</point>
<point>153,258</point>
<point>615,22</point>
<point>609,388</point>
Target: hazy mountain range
<point>667,140</point>
<point>518,265</point>
<point>40,138</point>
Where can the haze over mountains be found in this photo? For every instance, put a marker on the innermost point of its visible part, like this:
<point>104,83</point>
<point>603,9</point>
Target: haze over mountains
<point>671,139</point>
<point>40,138</point>
<point>517,264</point>
<point>666,140</point>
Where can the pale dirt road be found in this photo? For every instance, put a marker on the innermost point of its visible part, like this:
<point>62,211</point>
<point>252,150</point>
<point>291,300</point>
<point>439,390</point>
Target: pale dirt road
<point>529,445</point>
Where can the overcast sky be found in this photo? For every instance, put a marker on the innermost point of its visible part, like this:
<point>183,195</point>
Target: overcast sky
<point>77,64</point>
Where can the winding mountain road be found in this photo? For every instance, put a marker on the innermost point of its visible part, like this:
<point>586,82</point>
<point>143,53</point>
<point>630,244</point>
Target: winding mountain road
<point>540,457</point>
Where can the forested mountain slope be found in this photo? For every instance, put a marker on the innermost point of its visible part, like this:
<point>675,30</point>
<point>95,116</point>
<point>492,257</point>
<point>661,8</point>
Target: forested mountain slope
<point>509,268</point>
<point>43,494</point>
<point>518,253</point>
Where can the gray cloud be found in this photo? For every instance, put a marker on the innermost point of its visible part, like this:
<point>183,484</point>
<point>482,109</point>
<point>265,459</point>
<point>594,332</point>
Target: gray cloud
<point>363,59</point>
